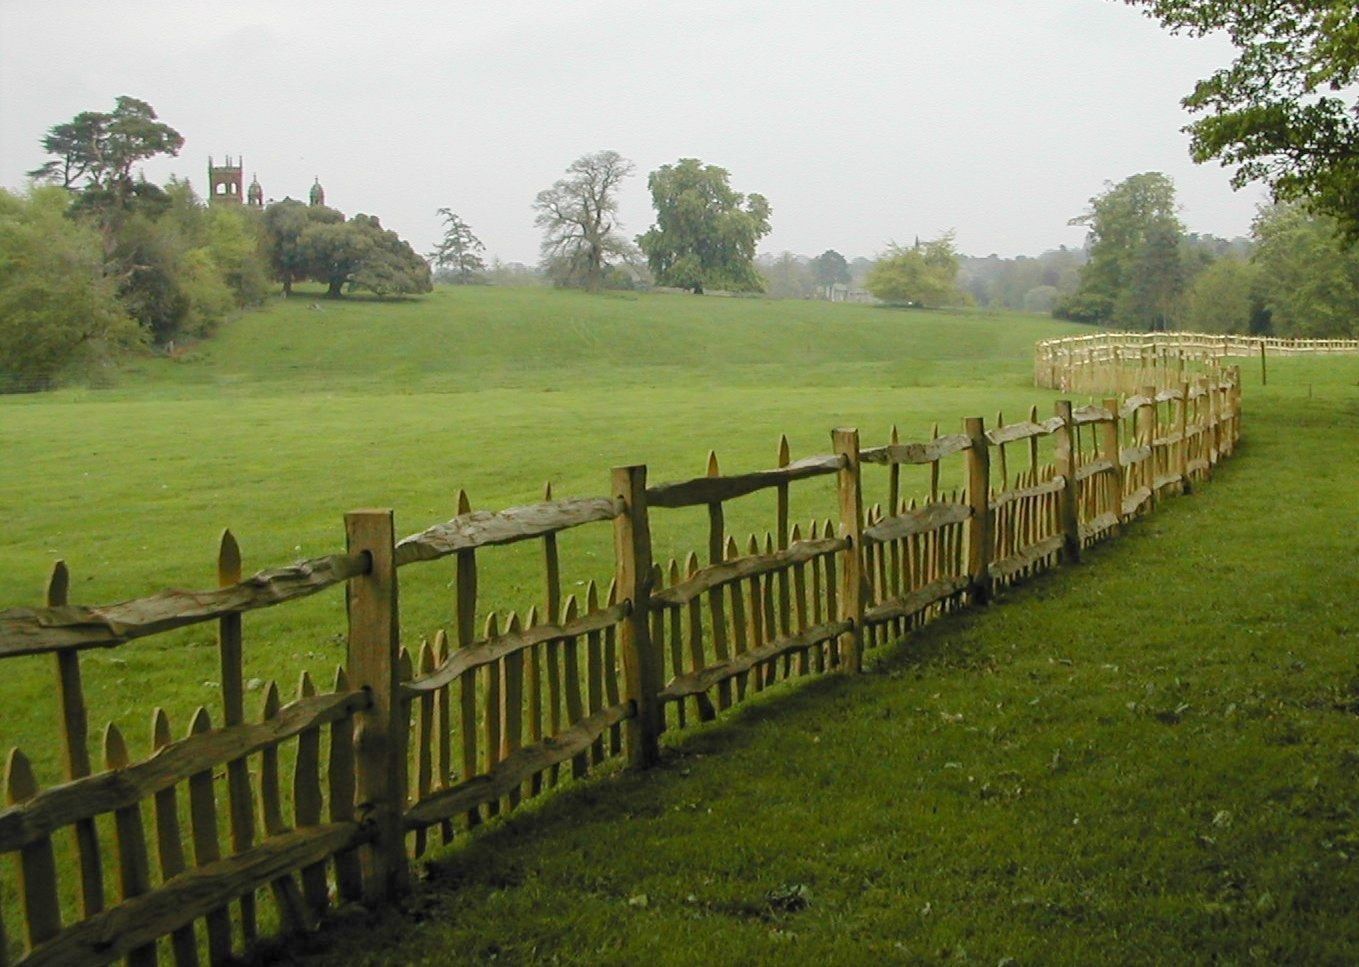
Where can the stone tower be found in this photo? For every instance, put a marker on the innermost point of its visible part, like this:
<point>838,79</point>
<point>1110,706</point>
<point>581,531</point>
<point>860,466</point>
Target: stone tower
<point>224,183</point>
<point>318,194</point>
<point>255,195</point>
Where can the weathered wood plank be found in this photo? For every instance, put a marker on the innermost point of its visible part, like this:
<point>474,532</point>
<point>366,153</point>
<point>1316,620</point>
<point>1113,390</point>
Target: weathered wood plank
<point>1088,470</point>
<point>494,648</point>
<point>1129,456</point>
<point>1093,413</point>
<point>745,567</point>
<point>927,518</point>
<point>129,838</point>
<point>204,750</point>
<point>169,845</point>
<point>931,452</point>
<point>482,528</point>
<point>230,652</point>
<point>1056,485</point>
<point>1025,430</point>
<point>1134,501</point>
<point>712,490</point>
<point>917,601</point>
<point>32,631</point>
<point>196,893</point>
<point>1099,525</point>
<point>37,862</point>
<point>700,681</point>
<point>511,772</point>
<point>307,801</point>
<point>1026,558</point>
<point>206,851</point>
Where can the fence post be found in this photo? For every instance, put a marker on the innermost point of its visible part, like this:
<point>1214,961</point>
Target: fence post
<point>1113,440</point>
<point>852,560</point>
<point>980,526</point>
<point>1066,457</point>
<point>633,570</point>
<point>1182,453</point>
<point>380,731</point>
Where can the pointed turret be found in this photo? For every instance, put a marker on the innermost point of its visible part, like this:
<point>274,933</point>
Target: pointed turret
<point>318,194</point>
<point>255,194</point>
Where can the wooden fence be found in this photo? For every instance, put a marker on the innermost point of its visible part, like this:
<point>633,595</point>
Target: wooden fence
<point>1124,362</point>
<point>176,855</point>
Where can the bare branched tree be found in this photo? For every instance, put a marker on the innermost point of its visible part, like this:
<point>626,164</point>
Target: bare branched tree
<point>578,215</point>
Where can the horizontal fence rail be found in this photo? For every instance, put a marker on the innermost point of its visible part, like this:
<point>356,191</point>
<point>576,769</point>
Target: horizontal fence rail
<point>247,822</point>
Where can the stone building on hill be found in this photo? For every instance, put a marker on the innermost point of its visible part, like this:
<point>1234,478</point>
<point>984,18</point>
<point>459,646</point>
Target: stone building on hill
<point>225,181</point>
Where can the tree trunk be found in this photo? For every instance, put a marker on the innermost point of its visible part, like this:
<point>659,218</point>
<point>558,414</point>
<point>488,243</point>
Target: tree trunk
<point>287,286</point>
<point>334,291</point>
<point>698,290</point>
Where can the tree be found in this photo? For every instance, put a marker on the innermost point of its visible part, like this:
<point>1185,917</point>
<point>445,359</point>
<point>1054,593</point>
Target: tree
<point>787,276</point>
<point>830,269</point>
<point>1308,280</point>
<point>1220,298</point>
<point>1127,281</point>
<point>1286,112</point>
<point>459,252</point>
<point>921,275</point>
<point>578,216</point>
<point>705,233</point>
<point>101,148</point>
<point>361,254</point>
<point>57,306</point>
<point>284,223</point>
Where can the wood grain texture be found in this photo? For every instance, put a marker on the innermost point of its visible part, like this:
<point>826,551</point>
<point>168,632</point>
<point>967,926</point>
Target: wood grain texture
<point>927,518</point>
<point>745,567</point>
<point>711,490</point>
<point>930,452</point>
<point>483,528</point>
<point>700,681</point>
<point>31,631</point>
<point>917,601</point>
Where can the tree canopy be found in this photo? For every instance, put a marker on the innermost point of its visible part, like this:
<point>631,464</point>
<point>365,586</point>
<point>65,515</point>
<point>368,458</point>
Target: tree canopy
<point>705,233</point>
<point>1134,276</point>
<point>99,149</point>
<point>920,275</point>
<point>1286,111</point>
<point>579,219</point>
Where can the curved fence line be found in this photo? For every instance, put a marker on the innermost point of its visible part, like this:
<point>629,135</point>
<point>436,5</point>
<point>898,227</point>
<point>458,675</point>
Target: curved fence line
<point>1125,362</point>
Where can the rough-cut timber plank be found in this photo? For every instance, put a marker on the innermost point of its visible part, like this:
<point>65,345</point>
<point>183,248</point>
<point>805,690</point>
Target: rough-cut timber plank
<point>1099,525</point>
<point>1131,455</point>
<point>1167,395</point>
<point>510,773</point>
<point>711,490</point>
<point>1094,413</point>
<point>1133,403</point>
<point>481,528</point>
<point>1197,464</point>
<point>31,631</point>
<point>719,575</point>
<point>698,682</point>
<point>1029,556</point>
<point>104,792</point>
<point>927,518</point>
<point>494,648</point>
<point>1166,480</point>
<point>1134,501</point>
<point>1022,431</point>
<point>1087,470</point>
<point>1055,485</point>
<point>917,600</point>
<point>139,921</point>
<point>930,452</point>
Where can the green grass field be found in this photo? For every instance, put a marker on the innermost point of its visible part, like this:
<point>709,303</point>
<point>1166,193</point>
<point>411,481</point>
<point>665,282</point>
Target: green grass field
<point>1059,819</point>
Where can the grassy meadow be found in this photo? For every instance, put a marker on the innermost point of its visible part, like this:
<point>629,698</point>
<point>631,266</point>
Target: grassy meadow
<point>1021,782</point>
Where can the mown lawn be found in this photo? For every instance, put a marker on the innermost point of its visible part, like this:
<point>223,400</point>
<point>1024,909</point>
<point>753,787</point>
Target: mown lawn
<point>1149,758</point>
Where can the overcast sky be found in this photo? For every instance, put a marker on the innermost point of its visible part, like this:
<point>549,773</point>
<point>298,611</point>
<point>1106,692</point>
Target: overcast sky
<point>860,122</point>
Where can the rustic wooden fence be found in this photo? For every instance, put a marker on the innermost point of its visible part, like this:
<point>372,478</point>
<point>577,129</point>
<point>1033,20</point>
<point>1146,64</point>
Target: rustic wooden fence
<point>1124,362</point>
<point>176,856</point>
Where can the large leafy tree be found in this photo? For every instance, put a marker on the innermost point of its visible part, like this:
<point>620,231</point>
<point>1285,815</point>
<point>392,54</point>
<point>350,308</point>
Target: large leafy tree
<point>579,219</point>
<point>58,308</point>
<point>922,274</point>
<point>1286,111</point>
<point>457,256</point>
<point>361,254</point>
<point>705,233</point>
<point>97,150</point>
<point>1133,228</point>
<point>1307,279</point>
<point>830,268</point>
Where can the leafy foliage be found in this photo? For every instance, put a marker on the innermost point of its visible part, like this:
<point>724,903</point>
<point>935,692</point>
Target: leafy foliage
<point>578,216</point>
<point>1308,280</point>
<point>1286,111</point>
<point>1134,276</point>
<point>705,233</point>
<point>1220,298</point>
<point>99,149</point>
<point>830,268</point>
<point>457,257</point>
<point>58,308</point>
<point>921,275</point>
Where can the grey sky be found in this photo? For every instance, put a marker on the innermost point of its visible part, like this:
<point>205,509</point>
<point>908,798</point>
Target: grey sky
<point>861,122</point>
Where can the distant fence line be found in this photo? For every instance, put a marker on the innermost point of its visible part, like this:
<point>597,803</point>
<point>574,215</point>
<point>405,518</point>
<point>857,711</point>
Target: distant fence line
<point>1123,362</point>
<point>405,745</point>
